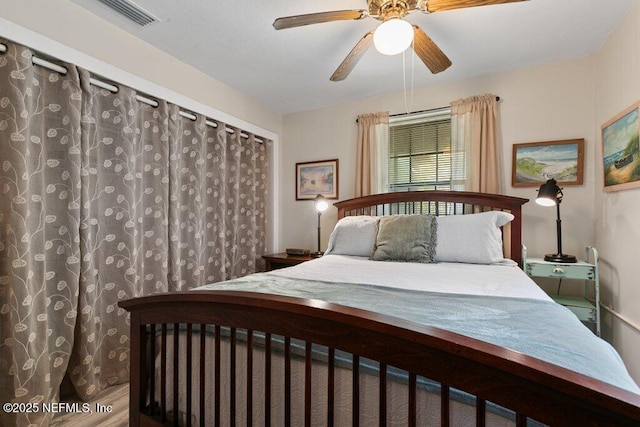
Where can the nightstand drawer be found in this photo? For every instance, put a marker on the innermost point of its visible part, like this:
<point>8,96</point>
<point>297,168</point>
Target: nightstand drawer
<point>569,271</point>
<point>282,260</point>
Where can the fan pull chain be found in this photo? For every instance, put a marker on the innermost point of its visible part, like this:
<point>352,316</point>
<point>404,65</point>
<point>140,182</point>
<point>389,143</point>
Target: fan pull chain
<point>408,105</point>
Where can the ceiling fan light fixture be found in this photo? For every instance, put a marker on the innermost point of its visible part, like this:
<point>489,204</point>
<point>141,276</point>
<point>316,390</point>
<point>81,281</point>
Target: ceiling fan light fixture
<point>393,36</point>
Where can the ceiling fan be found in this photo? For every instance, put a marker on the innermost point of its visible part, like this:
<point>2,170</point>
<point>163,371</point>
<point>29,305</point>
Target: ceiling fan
<point>390,12</point>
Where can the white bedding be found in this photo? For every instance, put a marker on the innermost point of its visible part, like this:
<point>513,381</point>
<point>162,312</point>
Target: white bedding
<point>456,278</point>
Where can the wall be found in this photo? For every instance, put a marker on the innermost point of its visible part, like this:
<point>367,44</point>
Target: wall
<point>548,102</point>
<point>77,36</point>
<point>616,214</point>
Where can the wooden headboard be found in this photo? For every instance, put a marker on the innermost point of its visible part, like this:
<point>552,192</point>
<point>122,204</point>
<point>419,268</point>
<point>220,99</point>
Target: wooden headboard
<point>442,203</point>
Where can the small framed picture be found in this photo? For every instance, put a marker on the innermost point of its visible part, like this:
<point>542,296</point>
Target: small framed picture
<point>536,162</point>
<point>313,178</point>
<point>620,150</point>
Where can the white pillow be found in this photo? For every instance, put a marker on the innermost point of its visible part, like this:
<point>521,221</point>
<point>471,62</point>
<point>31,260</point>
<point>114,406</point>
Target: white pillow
<point>354,235</point>
<point>471,238</point>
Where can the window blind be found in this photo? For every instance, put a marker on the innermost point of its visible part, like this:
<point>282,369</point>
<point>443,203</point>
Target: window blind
<point>420,153</point>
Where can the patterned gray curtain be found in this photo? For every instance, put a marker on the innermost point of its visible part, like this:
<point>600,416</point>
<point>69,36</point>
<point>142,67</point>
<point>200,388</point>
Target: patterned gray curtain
<point>39,226</point>
<point>123,228</point>
<point>246,203</point>
<point>218,190</point>
<point>105,198</point>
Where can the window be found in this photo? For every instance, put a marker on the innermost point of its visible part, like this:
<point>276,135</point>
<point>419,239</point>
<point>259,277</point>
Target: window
<point>420,151</point>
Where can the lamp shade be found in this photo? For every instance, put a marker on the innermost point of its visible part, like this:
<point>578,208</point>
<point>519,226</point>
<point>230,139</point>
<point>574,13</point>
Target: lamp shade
<point>393,36</point>
<point>320,203</point>
<point>548,193</point>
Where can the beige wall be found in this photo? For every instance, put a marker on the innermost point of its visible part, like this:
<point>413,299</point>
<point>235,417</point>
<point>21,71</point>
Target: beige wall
<point>617,226</point>
<point>548,102</point>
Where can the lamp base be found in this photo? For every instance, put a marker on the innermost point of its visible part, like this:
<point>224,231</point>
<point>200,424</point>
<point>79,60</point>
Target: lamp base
<point>562,258</point>
<point>316,254</point>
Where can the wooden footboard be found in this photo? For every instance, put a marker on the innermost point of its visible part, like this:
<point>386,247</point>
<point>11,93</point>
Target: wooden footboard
<point>532,389</point>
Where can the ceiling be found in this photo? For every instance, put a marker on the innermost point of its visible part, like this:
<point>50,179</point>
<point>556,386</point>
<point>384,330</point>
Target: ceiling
<point>288,70</point>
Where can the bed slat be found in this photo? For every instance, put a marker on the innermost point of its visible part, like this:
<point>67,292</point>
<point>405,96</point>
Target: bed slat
<point>382,405</point>
<point>287,381</point>
<point>413,411</point>
<point>188,373</point>
<point>355,393</point>
<point>217,381</point>
<point>163,373</point>
<point>152,377</point>
<point>203,373</point>
<point>267,379</point>
<point>444,405</point>
<point>481,408</point>
<point>176,375</point>
<point>232,379</point>
<point>249,377</point>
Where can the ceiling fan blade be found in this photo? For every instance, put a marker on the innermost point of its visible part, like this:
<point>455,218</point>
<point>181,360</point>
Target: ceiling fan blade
<point>352,59</point>
<point>429,52</point>
<point>318,18</point>
<point>441,5</point>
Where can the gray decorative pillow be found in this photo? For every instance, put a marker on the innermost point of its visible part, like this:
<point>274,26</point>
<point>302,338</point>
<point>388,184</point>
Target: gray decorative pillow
<point>408,238</point>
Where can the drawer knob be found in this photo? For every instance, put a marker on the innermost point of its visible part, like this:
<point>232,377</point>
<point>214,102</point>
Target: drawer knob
<point>558,270</point>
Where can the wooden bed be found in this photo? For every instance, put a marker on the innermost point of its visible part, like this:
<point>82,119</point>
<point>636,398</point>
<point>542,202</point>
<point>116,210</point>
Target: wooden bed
<point>531,388</point>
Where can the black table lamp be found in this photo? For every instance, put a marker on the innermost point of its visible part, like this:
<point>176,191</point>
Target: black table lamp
<point>550,194</point>
<point>321,205</point>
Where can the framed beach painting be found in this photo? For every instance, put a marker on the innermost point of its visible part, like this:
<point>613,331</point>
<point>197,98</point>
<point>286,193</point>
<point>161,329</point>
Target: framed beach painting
<point>536,162</point>
<point>313,178</point>
<point>620,150</point>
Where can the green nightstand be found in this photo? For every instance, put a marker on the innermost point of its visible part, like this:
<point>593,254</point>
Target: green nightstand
<point>583,307</point>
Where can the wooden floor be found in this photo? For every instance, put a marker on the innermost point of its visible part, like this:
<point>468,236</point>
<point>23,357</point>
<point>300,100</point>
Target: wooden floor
<point>116,398</point>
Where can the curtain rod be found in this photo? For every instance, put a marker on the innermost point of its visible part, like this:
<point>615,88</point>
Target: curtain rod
<point>114,89</point>
<point>422,111</point>
<point>425,111</point>
<point>152,102</point>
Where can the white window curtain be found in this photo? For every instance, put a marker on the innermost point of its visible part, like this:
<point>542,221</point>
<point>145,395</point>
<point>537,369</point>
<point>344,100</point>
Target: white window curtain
<point>474,139</point>
<point>372,154</point>
<point>475,149</point>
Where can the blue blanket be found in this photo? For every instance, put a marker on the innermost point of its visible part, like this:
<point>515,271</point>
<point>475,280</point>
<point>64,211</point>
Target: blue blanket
<point>542,329</point>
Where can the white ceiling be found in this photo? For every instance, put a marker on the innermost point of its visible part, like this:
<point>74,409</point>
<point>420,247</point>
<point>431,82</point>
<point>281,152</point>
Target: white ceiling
<point>289,70</point>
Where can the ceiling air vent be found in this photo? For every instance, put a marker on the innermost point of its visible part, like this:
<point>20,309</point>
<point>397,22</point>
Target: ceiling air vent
<point>130,11</point>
